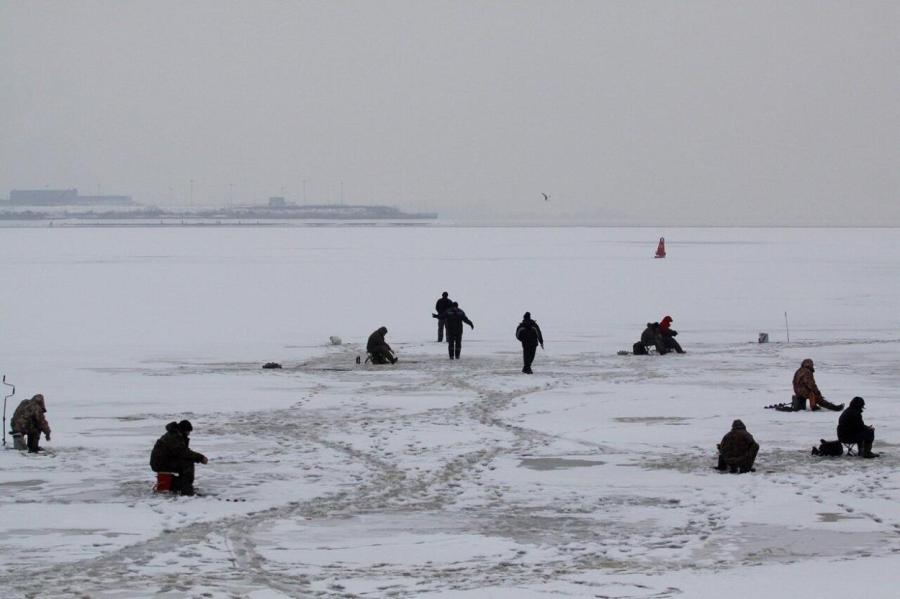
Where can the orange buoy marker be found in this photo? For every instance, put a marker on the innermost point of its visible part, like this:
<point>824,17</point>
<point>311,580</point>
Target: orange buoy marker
<point>661,248</point>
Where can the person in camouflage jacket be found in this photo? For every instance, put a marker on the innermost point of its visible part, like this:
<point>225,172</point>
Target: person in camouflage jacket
<point>738,449</point>
<point>29,420</point>
<point>172,453</point>
<point>805,388</point>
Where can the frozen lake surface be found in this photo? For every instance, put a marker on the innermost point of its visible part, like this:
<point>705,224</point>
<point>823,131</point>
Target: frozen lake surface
<point>439,478</point>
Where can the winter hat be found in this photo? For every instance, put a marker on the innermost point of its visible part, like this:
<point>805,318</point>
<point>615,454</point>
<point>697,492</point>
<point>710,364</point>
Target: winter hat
<point>445,294</point>
<point>39,399</point>
<point>185,426</point>
<point>455,305</point>
<point>527,316</point>
<point>669,318</point>
<point>857,402</point>
<point>738,424</point>
<point>807,363</point>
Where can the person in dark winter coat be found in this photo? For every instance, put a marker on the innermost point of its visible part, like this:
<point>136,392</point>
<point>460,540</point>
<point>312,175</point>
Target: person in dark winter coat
<point>852,429</point>
<point>442,305</point>
<point>650,337</point>
<point>805,388</point>
<point>738,449</point>
<point>172,453</point>
<point>379,349</point>
<point>529,334</point>
<point>668,335</point>
<point>455,318</point>
<point>29,421</point>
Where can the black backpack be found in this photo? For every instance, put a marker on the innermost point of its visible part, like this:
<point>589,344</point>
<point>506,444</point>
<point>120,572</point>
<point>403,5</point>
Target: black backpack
<point>828,448</point>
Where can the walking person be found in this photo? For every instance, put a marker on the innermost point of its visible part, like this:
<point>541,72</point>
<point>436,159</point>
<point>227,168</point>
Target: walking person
<point>529,334</point>
<point>442,305</point>
<point>455,317</point>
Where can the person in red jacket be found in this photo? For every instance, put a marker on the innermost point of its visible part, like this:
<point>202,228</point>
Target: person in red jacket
<point>668,334</point>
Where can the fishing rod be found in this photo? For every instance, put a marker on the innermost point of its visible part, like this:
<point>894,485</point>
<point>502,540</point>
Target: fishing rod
<point>4,406</point>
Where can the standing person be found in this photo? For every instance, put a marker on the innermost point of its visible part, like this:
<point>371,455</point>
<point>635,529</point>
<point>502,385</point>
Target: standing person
<point>668,334</point>
<point>172,453</point>
<point>379,349</point>
<point>443,304</point>
<point>29,421</point>
<point>455,317</point>
<point>805,388</point>
<point>738,450</point>
<point>529,334</point>
<point>852,429</point>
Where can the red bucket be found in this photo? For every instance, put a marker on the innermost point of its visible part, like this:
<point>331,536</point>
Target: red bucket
<point>163,482</point>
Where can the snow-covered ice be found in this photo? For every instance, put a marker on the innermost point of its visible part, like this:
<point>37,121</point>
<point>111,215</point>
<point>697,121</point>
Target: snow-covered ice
<point>440,478</point>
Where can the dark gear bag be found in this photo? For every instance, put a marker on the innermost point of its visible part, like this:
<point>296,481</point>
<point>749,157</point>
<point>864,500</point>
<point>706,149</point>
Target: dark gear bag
<point>798,403</point>
<point>828,448</point>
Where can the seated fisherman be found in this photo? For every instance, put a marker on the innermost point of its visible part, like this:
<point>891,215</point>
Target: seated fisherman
<point>650,336</point>
<point>668,335</point>
<point>172,453</point>
<point>738,450</point>
<point>379,349</point>
<point>852,429</point>
<point>29,421</point>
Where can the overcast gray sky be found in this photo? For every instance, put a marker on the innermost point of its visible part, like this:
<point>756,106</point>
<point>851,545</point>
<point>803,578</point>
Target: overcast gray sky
<point>681,112</point>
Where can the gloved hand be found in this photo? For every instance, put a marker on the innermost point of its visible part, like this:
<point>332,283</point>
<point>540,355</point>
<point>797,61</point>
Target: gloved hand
<point>204,460</point>
<point>47,436</point>
<point>542,346</point>
<point>473,326</point>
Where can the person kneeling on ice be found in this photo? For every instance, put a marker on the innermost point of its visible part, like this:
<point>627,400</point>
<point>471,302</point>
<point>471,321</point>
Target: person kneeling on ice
<point>650,337</point>
<point>852,429</point>
<point>379,350</point>
<point>738,450</point>
<point>172,453</point>
<point>805,388</point>
<point>668,335</point>
<point>29,421</point>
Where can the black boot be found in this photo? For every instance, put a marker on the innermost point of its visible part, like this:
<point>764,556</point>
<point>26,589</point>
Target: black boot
<point>827,404</point>
<point>866,450</point>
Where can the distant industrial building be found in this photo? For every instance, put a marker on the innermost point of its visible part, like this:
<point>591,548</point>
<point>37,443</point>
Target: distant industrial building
<point>64,197</point>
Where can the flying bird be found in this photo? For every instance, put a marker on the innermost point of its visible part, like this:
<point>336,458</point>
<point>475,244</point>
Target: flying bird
<point>546,197</point>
